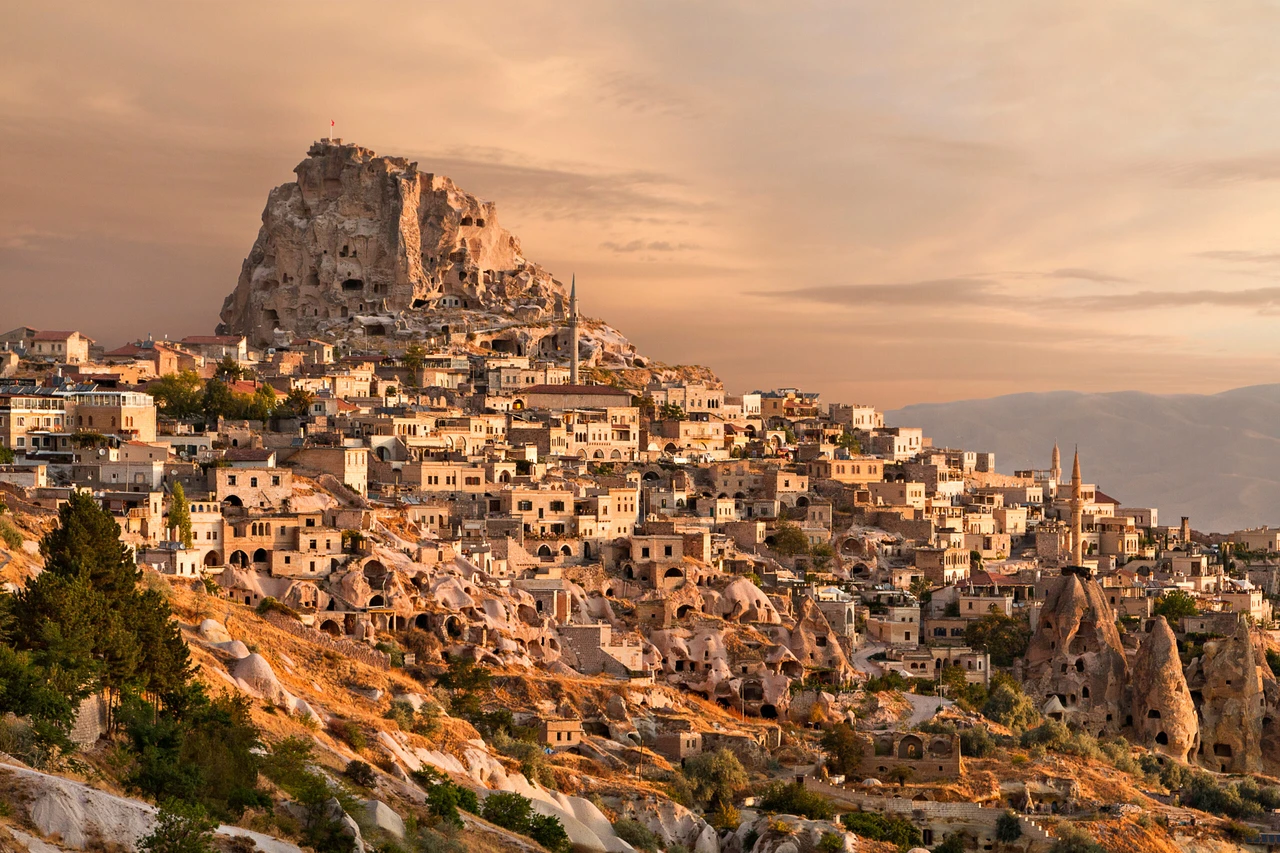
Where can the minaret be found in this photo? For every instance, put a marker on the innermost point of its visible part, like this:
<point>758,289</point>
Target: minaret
<point>1077,514</point>
<point>1055,465</point>
<point>573,331</point>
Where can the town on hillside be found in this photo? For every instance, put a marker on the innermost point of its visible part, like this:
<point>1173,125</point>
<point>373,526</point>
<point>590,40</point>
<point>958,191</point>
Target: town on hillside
<point>431,458</point>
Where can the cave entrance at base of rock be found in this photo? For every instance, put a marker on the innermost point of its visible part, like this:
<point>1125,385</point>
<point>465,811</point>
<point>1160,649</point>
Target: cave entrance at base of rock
<point>768,712</point>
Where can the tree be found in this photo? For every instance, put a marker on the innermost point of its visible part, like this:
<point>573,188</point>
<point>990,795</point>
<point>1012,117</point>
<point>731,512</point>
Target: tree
<point>180,516</point>
<point>218,401</point>
<point>844,749</point>
<point>789,540</point>
<point>901,774</point>
<point>508,810</point>
<point>953,843</point>
<point>1005,638</point>
<point>920,588</point>
<point>670,412</point>
<point>822,554</point>
<point>229,370</point>
<point>1008,828</point>
<point>262,405</point>
<point>180,828</point>
<point>849,443</point>
<point>1175,605</point>
<point>413,359</point>
<point>177,395</point>
<point>714,777</point>
<point>6,455</point>
<point>296,404</point>
<point>1007,705</point>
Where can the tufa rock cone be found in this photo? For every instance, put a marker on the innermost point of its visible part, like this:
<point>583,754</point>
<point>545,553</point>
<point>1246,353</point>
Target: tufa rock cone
<point>1164,717</point>
<point>1076,656</point>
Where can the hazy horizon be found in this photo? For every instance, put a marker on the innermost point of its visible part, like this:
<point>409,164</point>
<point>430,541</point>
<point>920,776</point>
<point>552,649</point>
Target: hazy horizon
<point>889,204</point>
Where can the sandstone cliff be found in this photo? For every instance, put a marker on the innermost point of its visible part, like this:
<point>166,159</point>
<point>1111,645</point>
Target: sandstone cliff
<point>1076,655</point>
<point>1164,717</point>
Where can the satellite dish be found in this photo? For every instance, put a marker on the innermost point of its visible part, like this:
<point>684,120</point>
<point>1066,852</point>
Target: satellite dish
<point>102,451</point>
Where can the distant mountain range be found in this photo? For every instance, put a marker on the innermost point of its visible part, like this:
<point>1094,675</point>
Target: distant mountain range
<point>1213,457</point>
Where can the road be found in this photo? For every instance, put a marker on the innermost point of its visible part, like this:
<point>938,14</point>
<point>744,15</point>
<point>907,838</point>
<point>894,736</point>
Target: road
<point>923,707</point>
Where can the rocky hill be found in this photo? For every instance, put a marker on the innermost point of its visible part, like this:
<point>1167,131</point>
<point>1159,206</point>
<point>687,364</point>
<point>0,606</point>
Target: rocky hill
<point>367,247</point>
<point>1213,457</point>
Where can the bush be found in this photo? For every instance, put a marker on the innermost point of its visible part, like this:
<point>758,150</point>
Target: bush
<point>11,535</point>
<point>532,758</point>
<point>1008,827</point>
<point>889,681</point>
<point>830,842</point>
<point>361,774</point>
<point>349,732</point>
<point>514,812</point>
<point>844,749</point>
<point>402,714</point>
<point>714,777</point>
<point>794,798</point>
<point>180,828</point>
<point>976,742</point>
<point>1007,705</point>
<point>444,798</point>
<point>1073,840</point>
<point>725,818</point>
<point>636,834</point>
<point>953,843</point>
<point>878,827</point>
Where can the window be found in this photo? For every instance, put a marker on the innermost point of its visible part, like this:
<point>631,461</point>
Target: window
<point>644,552</point>
<point>525,506</point>
<point>231,479</point>
<point>275,481</point>
<point>253,482</point>
<point>666,550</point>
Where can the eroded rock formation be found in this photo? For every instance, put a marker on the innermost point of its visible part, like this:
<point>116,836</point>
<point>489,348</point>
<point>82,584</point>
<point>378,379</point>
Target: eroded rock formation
<point>1164,717</point>
<point>1227,684</point>
<point>1076,655</point>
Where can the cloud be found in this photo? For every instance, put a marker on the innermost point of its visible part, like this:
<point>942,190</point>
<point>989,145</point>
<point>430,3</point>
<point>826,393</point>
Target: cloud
<point>1086,275</point>
<point>1241,256</point>
<point>564,192</point>
<point>1265,300</point>
<point>651,246</point>
<point>1255,168</point>
<point>967,291</point>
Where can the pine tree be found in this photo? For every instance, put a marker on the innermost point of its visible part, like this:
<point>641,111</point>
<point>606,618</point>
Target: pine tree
<point>180,516</point>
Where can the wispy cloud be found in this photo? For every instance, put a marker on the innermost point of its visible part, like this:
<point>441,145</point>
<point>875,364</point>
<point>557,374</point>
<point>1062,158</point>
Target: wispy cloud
<point>963,291</point>
<point>1084,274</point>
<point>650,246</point>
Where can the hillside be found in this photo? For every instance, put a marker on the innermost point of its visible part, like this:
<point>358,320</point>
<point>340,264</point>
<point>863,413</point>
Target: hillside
<point>1213,457</point>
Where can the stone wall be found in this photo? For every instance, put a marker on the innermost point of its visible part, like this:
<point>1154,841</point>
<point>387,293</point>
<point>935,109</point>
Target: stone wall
<point>91,721</point>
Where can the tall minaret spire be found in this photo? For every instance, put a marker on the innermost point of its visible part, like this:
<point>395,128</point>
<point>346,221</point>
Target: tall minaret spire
<point>573,331</point>
<point>1055,465</point>
<point>1077,514</point>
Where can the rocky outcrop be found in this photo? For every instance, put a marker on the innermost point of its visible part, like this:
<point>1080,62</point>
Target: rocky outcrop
<point>1226,683</point>
<point>364,246</point>
<point>1076,655</point>
<point>1164,717</point>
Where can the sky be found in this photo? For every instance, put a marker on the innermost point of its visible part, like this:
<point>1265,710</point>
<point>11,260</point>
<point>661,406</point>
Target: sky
<point>885,202</point>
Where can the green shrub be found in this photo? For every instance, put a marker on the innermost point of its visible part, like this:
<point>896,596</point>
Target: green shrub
<point>514,812</point>
<point>361,774</point>
<point>349,732</point>
<point>976,742</point>
<point>1008,828</point>
<point>794,798</point>
<point>1073,840</point>
<point>894,829</point>
<point>11,535</point>
<point>636,834</point>
<point>270,605</point>
<point>180,828</point>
